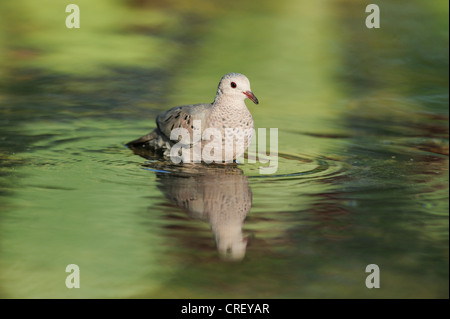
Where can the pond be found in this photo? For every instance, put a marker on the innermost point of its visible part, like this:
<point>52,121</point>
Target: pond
<point>362,170</point>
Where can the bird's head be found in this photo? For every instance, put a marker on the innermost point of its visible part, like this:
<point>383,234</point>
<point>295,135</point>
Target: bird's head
<point>236,86</point>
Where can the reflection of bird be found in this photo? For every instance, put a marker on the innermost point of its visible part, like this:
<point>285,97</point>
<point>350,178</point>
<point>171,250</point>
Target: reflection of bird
<point>220,196</point>
<point>228,111</point>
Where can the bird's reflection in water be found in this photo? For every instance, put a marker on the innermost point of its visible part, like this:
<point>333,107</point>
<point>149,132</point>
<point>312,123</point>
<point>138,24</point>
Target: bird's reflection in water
<point>217,194</point>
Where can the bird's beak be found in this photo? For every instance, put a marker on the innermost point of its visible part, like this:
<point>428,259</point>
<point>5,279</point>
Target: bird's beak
<point>251,96</point>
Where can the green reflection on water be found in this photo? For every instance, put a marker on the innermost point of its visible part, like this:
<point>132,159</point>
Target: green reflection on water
<point>108,37</point>
<point>364,110</point>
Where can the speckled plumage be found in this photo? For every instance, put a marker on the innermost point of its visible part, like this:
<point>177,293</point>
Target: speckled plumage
<point>228,114</point>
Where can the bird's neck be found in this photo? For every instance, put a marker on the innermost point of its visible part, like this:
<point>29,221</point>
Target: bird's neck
<point>228,101</point>
<point>231,111</point>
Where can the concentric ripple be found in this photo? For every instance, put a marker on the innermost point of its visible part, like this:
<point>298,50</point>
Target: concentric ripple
<point>297,167</point>
<point>284,167</point>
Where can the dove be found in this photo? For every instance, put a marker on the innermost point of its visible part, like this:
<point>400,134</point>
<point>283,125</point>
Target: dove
<point>227,117</point>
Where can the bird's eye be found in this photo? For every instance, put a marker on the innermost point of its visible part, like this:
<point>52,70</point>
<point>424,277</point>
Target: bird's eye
<point>233,85</point>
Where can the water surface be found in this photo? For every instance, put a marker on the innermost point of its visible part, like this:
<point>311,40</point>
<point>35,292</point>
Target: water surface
<point>362,118</point>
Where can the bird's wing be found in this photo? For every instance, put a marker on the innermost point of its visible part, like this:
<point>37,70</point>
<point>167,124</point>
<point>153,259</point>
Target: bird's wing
<point>183,117</point>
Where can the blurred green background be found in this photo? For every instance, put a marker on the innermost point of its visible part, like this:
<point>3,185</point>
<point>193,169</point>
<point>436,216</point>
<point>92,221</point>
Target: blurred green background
<point>363,128</point>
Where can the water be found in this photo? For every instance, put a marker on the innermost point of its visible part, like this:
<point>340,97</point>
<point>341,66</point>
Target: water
<point>363,151</point>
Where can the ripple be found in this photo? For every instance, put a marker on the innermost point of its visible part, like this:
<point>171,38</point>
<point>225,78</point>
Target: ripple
<point>289,167</point>
<point>301,167</point>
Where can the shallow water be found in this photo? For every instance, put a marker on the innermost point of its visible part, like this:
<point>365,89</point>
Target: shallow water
<point>362,178</point>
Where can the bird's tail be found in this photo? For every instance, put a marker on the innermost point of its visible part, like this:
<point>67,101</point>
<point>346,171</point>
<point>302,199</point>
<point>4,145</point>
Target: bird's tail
<point>143,140</point>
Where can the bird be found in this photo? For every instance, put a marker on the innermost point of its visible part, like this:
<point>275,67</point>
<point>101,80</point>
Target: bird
<point>226,117</point>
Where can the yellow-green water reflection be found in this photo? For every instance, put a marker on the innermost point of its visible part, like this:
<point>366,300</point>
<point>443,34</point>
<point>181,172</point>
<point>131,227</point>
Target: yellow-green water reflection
<point>363,141</point>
